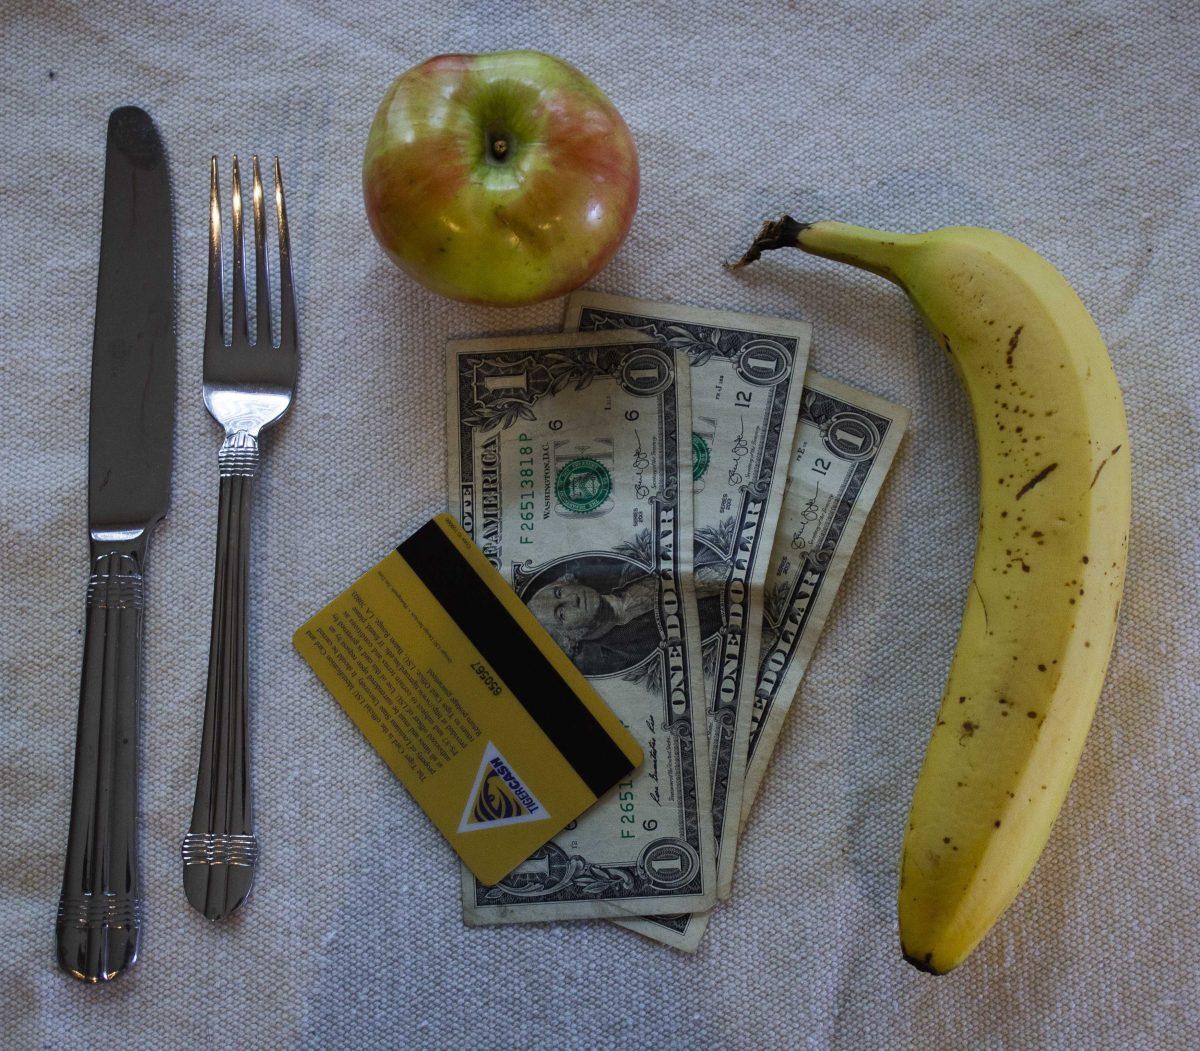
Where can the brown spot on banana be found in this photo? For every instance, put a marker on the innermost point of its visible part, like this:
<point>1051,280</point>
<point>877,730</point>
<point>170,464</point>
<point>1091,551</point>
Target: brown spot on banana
<point>983,605</point>
<point>1039,477</point>
<point>1012,345</point>
<point>1101,468</point>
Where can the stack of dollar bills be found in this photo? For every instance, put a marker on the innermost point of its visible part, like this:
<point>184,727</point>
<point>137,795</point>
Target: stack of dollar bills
<point>675,496</point>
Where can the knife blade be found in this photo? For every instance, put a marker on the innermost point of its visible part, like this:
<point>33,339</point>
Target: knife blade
<point>129,475</point>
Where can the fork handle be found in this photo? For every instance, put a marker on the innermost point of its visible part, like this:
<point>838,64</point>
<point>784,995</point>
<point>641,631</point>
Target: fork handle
<point>220,852</point>
<point>99,924</point>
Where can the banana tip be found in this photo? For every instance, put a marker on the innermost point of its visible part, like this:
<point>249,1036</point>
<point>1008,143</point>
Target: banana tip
<point>921,963</point>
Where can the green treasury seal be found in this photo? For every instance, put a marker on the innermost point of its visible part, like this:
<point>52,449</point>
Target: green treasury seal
<point>701,457</point>
<point>583,485</point>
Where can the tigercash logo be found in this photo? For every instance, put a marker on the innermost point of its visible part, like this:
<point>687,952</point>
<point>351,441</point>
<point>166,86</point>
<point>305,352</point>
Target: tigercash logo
<point>498,796</point>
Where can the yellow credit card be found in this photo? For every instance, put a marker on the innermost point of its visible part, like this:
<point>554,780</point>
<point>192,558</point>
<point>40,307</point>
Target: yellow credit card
<point>488,724</point>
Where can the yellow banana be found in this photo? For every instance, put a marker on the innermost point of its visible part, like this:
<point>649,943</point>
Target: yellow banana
<point>1041,611</point>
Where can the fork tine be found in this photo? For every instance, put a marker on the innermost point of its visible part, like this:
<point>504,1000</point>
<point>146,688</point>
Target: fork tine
<point>287,294</point>
<point>240,338</point>
<point>214,322</point>
<point>262,282</point>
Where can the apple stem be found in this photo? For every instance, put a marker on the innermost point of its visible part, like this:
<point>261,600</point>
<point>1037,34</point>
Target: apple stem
<point>497,146</point>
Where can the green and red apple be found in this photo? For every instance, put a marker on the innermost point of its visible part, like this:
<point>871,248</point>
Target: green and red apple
<point>502,178</point>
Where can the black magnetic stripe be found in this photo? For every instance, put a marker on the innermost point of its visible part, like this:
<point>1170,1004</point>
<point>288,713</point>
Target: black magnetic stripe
<point>502,642</point>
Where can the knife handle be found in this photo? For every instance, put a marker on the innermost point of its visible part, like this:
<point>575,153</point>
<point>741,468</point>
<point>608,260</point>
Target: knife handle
<point>220,852</point>
<point>100,911</point>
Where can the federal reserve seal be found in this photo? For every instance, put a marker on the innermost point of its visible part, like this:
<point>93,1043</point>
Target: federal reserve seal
<point>582,485</point>
<point>701,457</point>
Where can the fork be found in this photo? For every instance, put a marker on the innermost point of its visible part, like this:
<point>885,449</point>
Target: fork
<point>247,387</point>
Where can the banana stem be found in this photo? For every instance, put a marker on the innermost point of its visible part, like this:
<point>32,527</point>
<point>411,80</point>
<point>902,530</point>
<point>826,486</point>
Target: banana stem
<point>783,232</point>
<point>874,250</point>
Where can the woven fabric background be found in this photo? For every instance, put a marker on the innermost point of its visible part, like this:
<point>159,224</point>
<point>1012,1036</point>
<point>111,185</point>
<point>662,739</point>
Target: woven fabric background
<point>1073,126</point>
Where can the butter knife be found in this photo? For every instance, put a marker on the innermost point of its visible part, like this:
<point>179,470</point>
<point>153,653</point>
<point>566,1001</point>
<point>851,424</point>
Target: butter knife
<point>129,477</point>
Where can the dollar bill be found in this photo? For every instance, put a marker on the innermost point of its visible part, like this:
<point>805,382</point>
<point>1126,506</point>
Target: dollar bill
<point>746,377</point>
<point>844,445</point>
<point>571,467</point>
<point>843,450</point>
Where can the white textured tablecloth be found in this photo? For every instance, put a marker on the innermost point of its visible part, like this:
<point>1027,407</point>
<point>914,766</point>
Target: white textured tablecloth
<point>1073,126</point>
